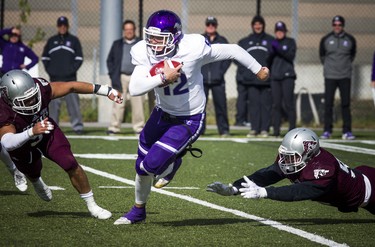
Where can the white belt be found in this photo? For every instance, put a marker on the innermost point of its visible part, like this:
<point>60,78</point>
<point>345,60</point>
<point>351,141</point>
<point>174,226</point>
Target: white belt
<point>367,192</point>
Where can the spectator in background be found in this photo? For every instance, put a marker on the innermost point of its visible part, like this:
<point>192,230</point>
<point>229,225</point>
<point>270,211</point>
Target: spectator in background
<point>120,68</point>
<point>283,76</point>
<point>62,57</point>
<point>373,79</point>
<point>213,78</point>
<point>251,89</point>
<point>14,51</point>
<point>337,51</point>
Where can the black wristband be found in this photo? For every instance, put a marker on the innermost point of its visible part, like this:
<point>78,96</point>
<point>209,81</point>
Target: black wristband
<point>96,88</point>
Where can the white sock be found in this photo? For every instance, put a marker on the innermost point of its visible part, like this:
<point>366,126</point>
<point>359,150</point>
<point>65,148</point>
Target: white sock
<point>4,156</point>
<point>89,199</point>
<point>142,188</point>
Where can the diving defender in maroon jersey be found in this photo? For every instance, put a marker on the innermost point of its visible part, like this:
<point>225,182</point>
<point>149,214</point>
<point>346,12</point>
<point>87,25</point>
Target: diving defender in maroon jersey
<point>315,174</point>
<point>27,133</point>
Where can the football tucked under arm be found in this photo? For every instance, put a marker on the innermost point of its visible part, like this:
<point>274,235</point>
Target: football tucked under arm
<point>144,79</point>
<point>169,71</point>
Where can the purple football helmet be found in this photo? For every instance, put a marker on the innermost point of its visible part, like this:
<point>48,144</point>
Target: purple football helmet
<point>162,33</point>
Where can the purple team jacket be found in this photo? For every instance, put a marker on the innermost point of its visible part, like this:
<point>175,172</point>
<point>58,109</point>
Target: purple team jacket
<point>15,53</point>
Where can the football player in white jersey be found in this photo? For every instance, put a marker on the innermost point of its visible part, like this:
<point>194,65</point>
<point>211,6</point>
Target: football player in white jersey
<point>176,121</point>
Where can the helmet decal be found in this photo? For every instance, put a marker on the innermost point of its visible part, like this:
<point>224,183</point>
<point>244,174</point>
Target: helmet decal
<point>308,146</point>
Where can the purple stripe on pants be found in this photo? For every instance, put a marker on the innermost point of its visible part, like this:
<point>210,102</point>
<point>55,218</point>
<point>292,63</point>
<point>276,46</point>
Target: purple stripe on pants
<point>164,137</point>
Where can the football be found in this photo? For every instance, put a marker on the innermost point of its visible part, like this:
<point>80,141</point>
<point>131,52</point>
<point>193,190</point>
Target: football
<point>159,67</point>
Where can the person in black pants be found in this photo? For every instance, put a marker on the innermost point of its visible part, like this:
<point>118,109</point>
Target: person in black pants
<point>337,52</point>
<point>253,94</point>
<point>213,78</point>
<point>62,57</point>
<point>283,76</point>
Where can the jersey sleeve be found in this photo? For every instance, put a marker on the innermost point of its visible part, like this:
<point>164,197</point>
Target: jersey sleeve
<point>296,192</point>
<point>141,81</point>
<point>232,51</point>
<point>263,177</point>
<point>6,113</point>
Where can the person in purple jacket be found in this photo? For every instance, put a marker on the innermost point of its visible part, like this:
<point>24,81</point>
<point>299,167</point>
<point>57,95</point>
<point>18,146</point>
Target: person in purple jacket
<point>315,173</point>
<point>14,51</point>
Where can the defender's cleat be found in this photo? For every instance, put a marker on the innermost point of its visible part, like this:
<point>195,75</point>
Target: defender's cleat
<point>100,213</point>
<point>20,180</point>
<point>42,190</point>
<point>135,215</point>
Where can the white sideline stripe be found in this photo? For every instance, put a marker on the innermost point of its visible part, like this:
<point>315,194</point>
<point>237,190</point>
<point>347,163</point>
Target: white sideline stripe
<point>108,156</point>
<point>132,187</point>
<point>275,224</point>
<point>116,187</point>
<point>56,188</point>
<point>348,148</point>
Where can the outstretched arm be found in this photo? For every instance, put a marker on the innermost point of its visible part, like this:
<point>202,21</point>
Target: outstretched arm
<point>262,177</point>
<point>60,89</point>
<point>233,51</point>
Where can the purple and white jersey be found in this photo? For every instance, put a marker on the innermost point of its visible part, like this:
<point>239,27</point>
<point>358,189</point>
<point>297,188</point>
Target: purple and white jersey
<point>186,97</point>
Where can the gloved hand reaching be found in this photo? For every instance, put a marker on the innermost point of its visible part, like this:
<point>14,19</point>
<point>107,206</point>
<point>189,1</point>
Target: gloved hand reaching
<point>252,191</point>
<point>222,189</point>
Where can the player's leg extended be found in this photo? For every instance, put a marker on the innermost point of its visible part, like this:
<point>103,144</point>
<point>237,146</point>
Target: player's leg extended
<point>29,162</point>
<point>59,151</point>
<point>19,178</point>
<point>171,146</point>
<point>152,137</point>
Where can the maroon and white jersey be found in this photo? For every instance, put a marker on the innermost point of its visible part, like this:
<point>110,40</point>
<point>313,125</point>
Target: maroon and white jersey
<point>324,179</point>
<point>343,186</point>
<point>54,146</point>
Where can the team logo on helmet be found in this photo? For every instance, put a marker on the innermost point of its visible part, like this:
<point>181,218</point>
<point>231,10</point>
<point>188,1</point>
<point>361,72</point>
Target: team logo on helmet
<point>308,146</point>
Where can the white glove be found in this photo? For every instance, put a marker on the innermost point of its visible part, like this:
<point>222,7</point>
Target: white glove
<point>252,191</point>
<point>222,189</point>
<point>117,97</point>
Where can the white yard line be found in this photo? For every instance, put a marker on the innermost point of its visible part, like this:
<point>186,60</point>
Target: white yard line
<point>121,156</point>
<point>275,224</point>
<point>132,187</point>
<point>348,148</point>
